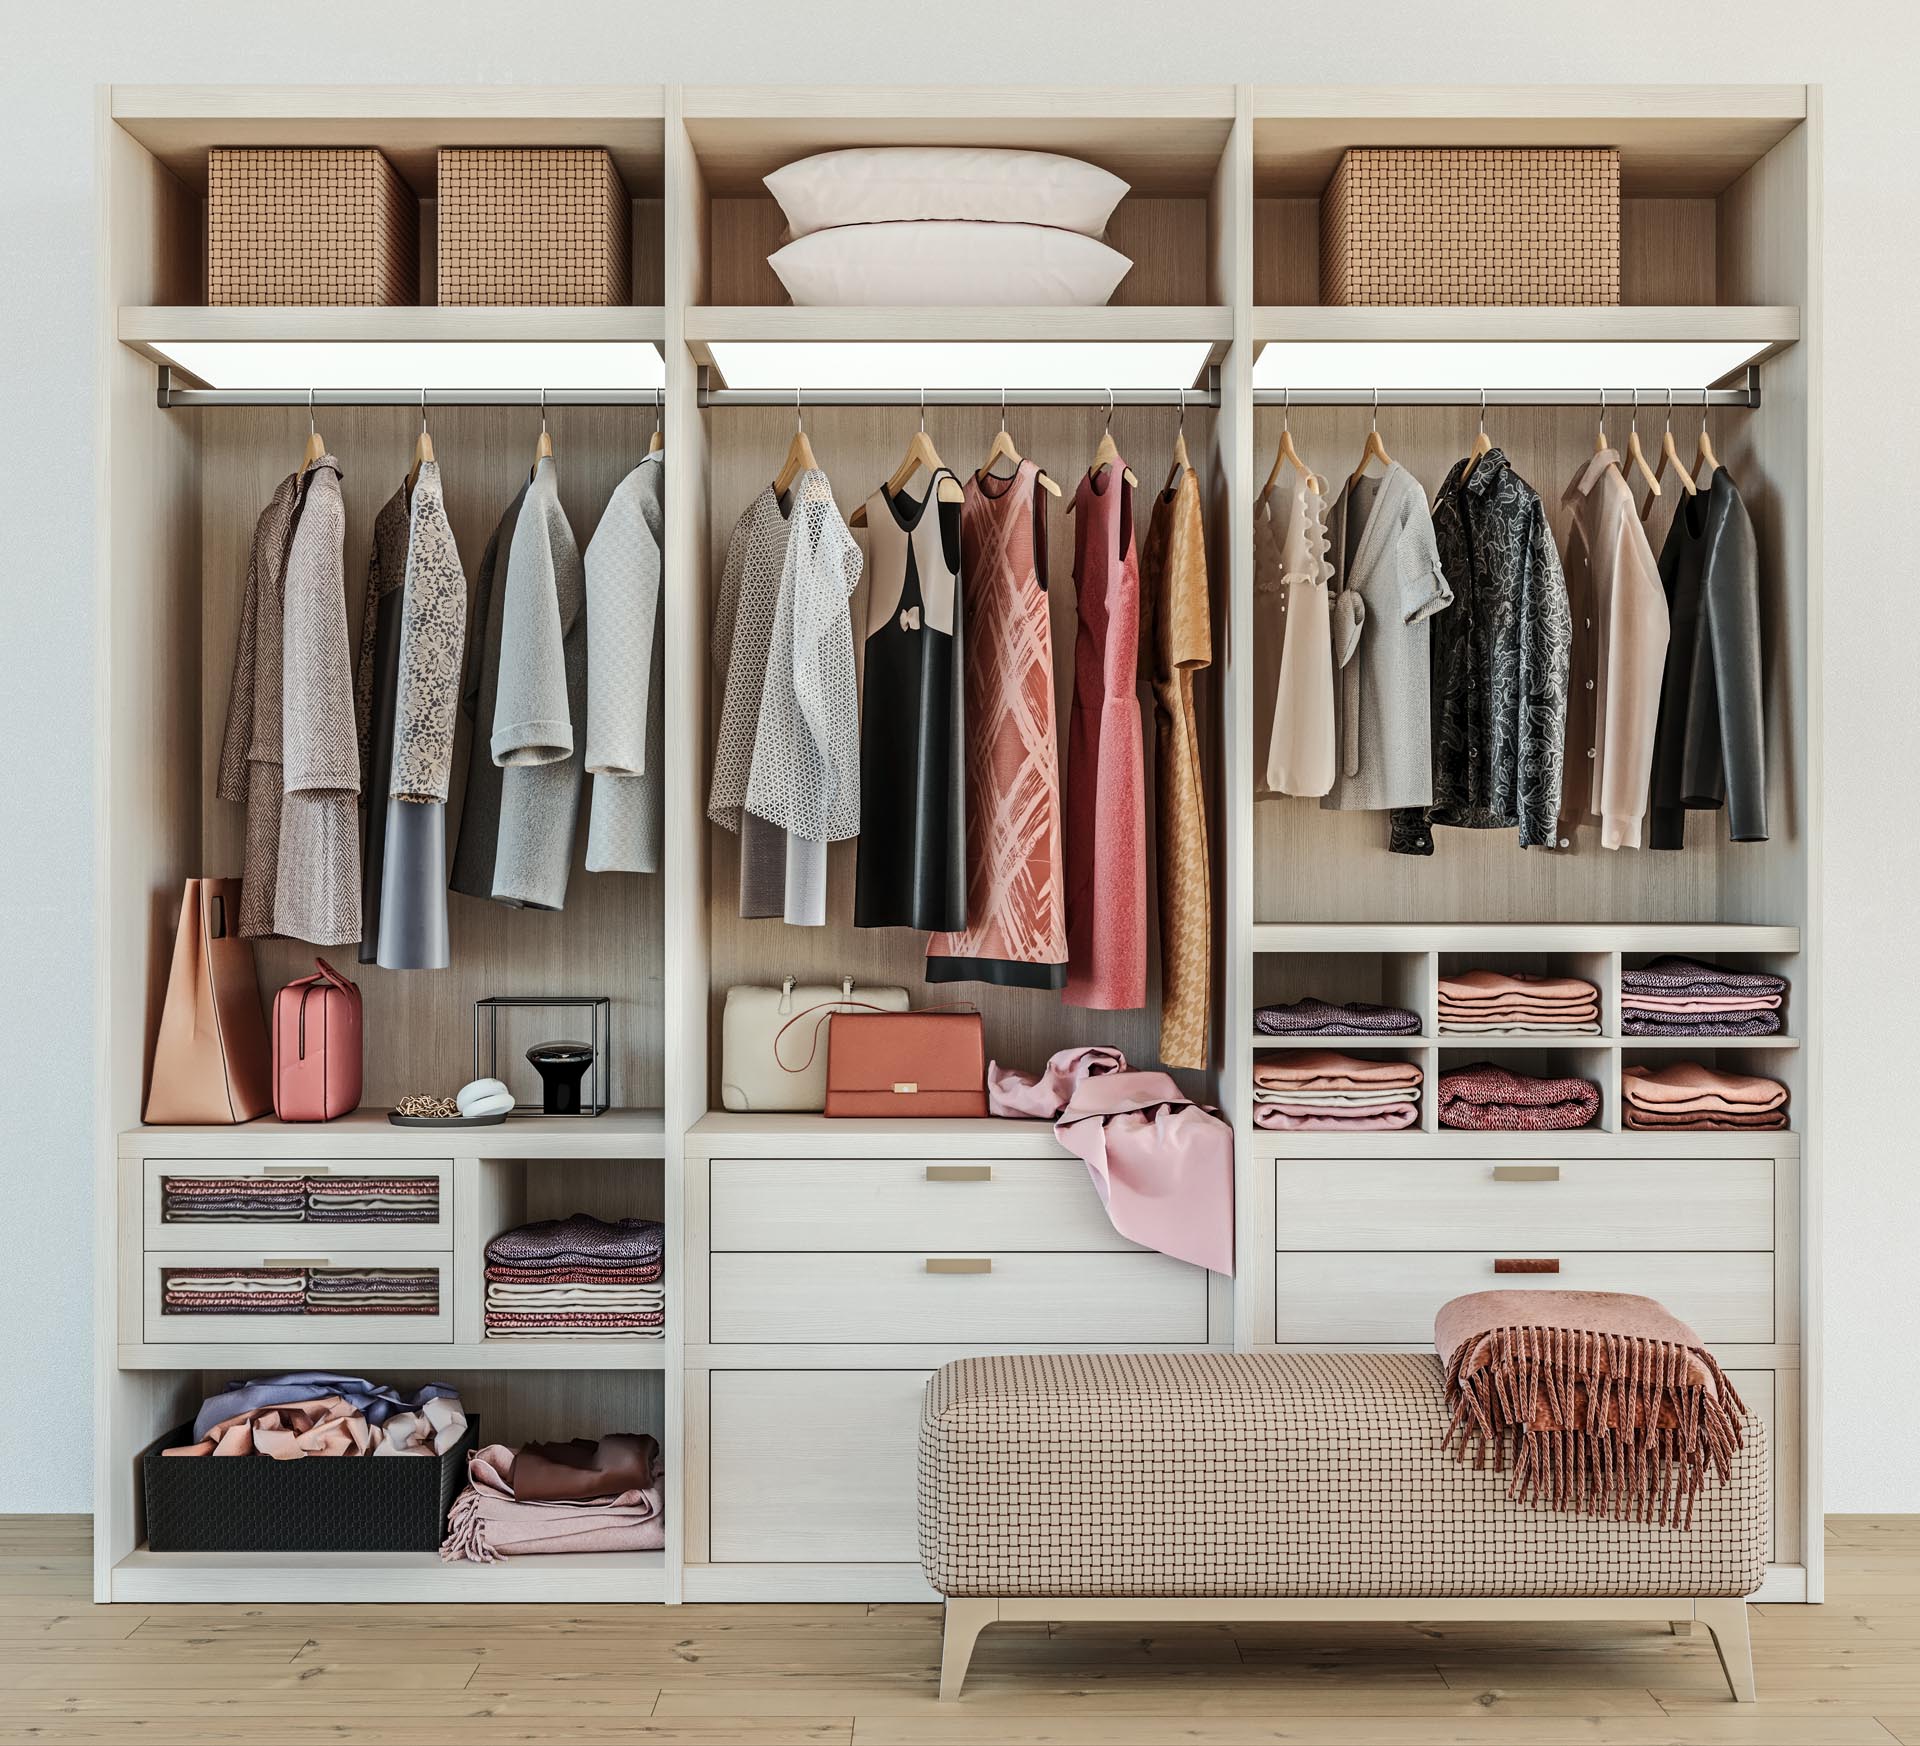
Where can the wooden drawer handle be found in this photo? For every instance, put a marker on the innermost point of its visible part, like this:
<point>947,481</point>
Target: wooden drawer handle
<point>1521,1264</point>
<point>296,1261</point>
<point>959,1264</point>
<point>959,1172</point>
<point>1526,1173</point>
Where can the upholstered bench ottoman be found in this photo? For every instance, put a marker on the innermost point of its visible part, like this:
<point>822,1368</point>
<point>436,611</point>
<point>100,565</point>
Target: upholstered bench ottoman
<point>1263,1486</point>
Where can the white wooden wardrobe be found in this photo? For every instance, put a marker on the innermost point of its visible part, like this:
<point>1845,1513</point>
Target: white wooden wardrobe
<point>802,1314</point>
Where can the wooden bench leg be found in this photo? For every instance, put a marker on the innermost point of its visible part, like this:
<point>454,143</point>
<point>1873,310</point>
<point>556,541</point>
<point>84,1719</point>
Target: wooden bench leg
<point>1727,1620</point>
<point>967,1615</point>
<point>1680,1627</point>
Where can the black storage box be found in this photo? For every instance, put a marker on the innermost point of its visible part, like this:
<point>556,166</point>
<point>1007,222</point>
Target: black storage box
<point>354,1503</point>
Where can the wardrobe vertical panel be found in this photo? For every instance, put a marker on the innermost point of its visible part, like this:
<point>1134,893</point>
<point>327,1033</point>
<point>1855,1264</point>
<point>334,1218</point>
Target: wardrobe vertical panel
<point>146,779</point>
<point>608,939</point>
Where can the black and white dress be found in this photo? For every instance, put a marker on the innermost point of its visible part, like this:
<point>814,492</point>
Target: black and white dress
<point>912,869</point>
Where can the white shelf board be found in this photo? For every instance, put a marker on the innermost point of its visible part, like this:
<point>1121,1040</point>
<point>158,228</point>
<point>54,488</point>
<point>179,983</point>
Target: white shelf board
<point>1271,1144</point>
<point>1765,325</point>
<point>620,1133</point>
<point>1776,1041</point>
<point>355,1357</point>
<point>307,1577</point>
<point>724,1134</point>
<point>1343,1042</point>
<point>1684,937</point>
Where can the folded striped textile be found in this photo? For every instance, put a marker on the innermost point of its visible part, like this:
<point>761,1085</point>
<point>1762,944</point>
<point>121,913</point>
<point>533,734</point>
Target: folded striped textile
<point>1698,1024</point>
<point>264,1279</point>
<point>372,1309</point>
<point>1337,1100</point>
<point>1692,1086</point>
<point>639,1275</point>
<point>1491,1098</point>
<point>1702,1121</point>
<point>1313,1017</point>
<point>579,1239</point>
<point>1691,976</point>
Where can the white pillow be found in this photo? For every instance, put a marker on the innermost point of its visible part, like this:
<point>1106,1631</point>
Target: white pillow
<point>930,262</point>
<point>882,184</point>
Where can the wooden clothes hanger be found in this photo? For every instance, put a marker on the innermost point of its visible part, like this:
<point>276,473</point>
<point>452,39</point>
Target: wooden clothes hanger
<point>1704,450</point>
<point>316,444</point>
<point>1105,454</point>
<point>920,453</point>
<point>1287,452</point>
<point>1002,449</point>
<point>543,449</point>
<point>422,447</point>
<point>799,454</point>
<point>1181,464</point>
<point>1670,457</point>
<point>1375,449</point>
<point>1636,457</point>
<point>1600,443</point>
<point>1482,443</point>
<point>657,441</point>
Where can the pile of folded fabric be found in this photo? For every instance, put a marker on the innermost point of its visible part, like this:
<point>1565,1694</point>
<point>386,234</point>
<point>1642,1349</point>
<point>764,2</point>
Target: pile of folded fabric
<point>1318,1091</point>
<point>1680,997</point>
<point>1478,1001</point>
<point>1493,1098</point>
<point>221,1200</point>
<point>577,1278</point>
<point>315,1412</point>
<point>582,1496</point>
<point>1689,1096</point>
<point>372,1200</point>
<point>373,1291</point>
<point>233,1291</point>
<point>1313,1017</point>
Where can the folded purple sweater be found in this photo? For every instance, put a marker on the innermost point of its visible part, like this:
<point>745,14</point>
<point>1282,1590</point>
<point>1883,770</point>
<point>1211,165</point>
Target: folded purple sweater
<point>1313,1017</point>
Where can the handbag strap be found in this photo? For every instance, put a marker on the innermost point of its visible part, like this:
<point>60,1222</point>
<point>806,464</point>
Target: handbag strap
<point>827,1008</point>
<point>324,977</point>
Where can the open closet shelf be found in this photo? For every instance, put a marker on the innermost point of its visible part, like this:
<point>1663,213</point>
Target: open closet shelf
<point>1462,1143</point>
<point>387,1576</point>
<point>368,1360</point>
<point>1765,327</point>
<point>1522,937</point>
<point>1109,324</point>
<point>726,1134</point>
<point>620,1133</point>
<point>150,330</point>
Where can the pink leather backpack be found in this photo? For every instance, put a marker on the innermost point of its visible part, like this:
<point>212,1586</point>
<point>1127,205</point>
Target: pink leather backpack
<point>316,1047</point>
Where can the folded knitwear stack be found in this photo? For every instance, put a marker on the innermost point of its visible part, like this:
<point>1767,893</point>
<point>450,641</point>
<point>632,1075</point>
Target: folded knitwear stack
<point>373,1200</point>
<point>224,1200</point>
<point>233,1291</point>
<point>1476,1001</point>
<point>1318,1091</point>
<point>373,1291</point>
<point>584,1496</point>
<point>1492,1098</point>
<point>1313,1017</point>
<point>1687,1096</point>
<point>577,1278</point>
<point>1681,997</point>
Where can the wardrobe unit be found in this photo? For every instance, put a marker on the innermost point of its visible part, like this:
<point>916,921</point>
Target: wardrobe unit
<point>817,1270</point>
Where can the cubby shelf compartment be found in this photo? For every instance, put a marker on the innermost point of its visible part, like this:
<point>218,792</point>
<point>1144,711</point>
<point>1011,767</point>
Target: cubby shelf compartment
<point>620,1133</point>
<point>578,1577</point>
<point>1594,1142</point>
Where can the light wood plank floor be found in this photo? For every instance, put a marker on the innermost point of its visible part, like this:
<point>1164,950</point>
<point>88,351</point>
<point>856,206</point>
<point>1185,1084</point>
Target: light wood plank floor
<point>1846,1674</point>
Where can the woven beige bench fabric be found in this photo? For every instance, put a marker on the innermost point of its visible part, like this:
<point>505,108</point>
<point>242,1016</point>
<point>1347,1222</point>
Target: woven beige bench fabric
<point>1280,1486</point>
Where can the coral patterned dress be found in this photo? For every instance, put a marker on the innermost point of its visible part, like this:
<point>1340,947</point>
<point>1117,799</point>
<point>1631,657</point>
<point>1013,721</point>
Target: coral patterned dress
<point>1017,933</point>
<point>1106,779</point>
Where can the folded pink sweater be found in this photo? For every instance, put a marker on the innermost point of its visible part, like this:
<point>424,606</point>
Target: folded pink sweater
<point>1483,987</point>
<point>1328,1070</point>
<point>1692,1085</point>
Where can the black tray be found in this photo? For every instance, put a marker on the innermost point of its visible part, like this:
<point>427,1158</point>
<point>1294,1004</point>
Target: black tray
<point>483,1121</point>
<point>351,1503</point>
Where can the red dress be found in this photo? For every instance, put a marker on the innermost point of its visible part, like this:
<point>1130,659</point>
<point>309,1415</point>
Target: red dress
<point>1106,781</point>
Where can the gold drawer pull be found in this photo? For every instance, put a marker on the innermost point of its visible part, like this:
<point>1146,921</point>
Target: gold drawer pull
<point>959,1264</point>
<point>1519,1264</point>
<point>295,1169</point>
<point>1526,1173</point>
<point>296,1261</point>
<point>959,1172</point>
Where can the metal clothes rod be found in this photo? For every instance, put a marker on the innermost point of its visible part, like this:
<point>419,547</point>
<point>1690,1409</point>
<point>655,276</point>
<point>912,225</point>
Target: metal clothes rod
<point>811,399</point>
<point>437,398</point>
<point>1618,399</point>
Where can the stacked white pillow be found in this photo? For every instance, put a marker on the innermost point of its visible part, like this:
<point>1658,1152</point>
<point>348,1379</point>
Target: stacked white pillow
<point>946,224</point>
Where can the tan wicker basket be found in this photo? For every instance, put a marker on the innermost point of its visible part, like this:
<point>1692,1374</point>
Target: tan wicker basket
<point>309,225</point>
<point>541,226</point>
<point>1472,225</point>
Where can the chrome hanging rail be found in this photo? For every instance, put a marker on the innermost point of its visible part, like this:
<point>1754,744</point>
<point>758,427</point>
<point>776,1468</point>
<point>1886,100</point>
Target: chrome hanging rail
<point>1746,395</point>
<point>172,395</point>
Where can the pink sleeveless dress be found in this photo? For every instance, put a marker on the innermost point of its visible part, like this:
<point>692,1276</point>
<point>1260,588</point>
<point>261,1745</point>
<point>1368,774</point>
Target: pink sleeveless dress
<point>1106,781</point>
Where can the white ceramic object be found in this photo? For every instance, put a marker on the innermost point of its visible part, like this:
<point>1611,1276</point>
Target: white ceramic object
<point>484,1097</point>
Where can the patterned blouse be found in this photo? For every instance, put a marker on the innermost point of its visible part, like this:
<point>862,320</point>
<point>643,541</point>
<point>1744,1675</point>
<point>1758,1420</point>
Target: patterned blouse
<point>1499,664</point>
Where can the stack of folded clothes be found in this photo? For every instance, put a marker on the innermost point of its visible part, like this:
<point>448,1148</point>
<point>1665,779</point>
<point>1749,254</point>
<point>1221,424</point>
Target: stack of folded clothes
<point>373,1291</point>
<point>372,1200</point>
<point>577,1278</point>
<point>1312,1017</point>
<point>1318,1091</point>
<point>1507,1001</point>
<point>233,1291</point>
<point>315,1412</point>
<point>583,1496</point>
<point>1680,997</point>
<point>221,1200</point>
<point>1485,1096</point>
<point>1690,1096</point>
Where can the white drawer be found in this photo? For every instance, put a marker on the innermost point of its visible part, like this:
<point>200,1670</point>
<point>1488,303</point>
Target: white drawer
<point>245,1234</point>
<point>1374,1297</point>
<point>896,1203</point>
<point>813,1466</point>
<point>996,1299</point>
<point>1511,1208</point>
<point>163,1329</point>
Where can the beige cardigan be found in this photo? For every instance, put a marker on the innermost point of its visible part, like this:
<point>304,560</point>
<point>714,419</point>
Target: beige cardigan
<point>1619,655</point>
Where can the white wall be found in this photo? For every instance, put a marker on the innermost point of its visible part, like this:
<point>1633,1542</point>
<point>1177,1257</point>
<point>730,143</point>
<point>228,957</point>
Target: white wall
<point>1863,52</point>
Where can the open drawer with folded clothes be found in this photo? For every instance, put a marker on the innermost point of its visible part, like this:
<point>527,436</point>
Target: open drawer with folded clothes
<point>381,1203</point>
<point>388,1296</point>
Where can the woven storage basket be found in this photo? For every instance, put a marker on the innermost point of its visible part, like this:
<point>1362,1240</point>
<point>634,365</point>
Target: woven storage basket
<point>542,226</point>
<point>294,224</point>
<point>1472,226</point>
<point>252,1503</point>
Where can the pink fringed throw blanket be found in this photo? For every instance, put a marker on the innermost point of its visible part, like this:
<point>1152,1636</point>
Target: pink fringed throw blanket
<point>1606,1402</point>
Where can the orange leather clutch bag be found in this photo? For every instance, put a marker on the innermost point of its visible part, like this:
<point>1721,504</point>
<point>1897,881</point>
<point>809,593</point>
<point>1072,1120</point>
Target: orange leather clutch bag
<point>906,1064</point>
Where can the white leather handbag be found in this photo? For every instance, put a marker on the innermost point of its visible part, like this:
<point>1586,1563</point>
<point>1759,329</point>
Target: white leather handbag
<point>773,1045</point>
